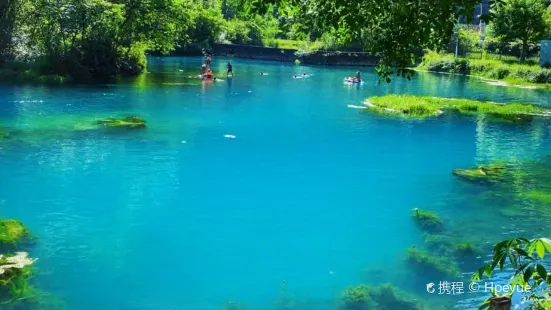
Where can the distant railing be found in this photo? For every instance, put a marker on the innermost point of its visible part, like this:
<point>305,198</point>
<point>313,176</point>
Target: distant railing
<point>290,55</point>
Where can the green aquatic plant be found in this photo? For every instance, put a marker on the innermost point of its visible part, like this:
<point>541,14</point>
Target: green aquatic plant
<point>12,232</point>
<point>427,221</point>
<point>14,274</point>
<point>420,107</point>
<point>488,173</point>
<point>384,297</point>
<point>466,249</point>
<point>509,118</point>
<point>357,298</point>
<point>4,134</point>
<point>388,297</point>
<point>434,266</point>
<point>127,122</point>
<point>539,196</point>
<point>448,245</point>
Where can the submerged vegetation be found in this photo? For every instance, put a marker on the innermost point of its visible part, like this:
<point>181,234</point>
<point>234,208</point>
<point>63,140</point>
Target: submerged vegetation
<point>384,297</point>
<point>433,266</point>
<point>420,107</point>
<point>15,270</point>
<point>427,221</point>
<point>12,232</point>
<point>489,173</point>
<point>127,122</point>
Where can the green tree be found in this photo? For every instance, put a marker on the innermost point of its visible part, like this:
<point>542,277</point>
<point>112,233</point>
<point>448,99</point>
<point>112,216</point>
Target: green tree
<point>8,13</point>
<point>398,29</point>
<point>97,39</point>
<point>530,260</point>
<point>521,20</point>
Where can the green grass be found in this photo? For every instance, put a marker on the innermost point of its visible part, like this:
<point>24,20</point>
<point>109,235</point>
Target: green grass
<point>290,44</point>
<point>419,107</point>
<point>506,70</point>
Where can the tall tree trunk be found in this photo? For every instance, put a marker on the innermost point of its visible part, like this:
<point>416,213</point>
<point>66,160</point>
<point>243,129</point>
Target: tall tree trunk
<point>524,51</point>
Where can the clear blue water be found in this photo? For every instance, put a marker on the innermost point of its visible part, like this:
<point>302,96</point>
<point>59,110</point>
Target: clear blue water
<point>310,191</point>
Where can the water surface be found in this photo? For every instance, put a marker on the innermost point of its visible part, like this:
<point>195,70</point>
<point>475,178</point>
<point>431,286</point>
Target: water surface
<point>310,197</point>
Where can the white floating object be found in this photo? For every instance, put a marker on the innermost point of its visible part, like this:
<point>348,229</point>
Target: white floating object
<point>230,136</point>
<point>356,106</point>
<point>184,142</point>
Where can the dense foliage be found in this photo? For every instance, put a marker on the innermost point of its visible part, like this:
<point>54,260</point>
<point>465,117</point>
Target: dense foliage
<point>521,20</point>
<point>92,39</point>
<point>98,39</point>
<point>529,261</point>
<point>493,69</point>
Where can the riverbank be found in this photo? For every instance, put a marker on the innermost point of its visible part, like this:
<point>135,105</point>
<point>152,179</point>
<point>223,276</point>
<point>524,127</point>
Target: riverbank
<point>29,73</point>
<point>498,72</point>
<point>328,58</point>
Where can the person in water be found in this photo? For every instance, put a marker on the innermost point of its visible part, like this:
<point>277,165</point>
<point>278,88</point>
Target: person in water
<point>203,68</point>
<point>208,61</point>
<point>230,69</point>
<point>358,76</point>
<point>208,75</point>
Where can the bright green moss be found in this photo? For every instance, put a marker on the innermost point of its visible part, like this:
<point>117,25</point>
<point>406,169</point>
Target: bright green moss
<point>418,106</point>
<point>434,266</point>
<point>488,173</point>
<point>357,298</point>
<point>127,122</point>
<point>388,297</point>
<point>12,232</point>
<point>539,196</point>
<point>427,221</point>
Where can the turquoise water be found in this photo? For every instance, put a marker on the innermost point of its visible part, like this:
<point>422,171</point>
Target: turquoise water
<point>310,197</point>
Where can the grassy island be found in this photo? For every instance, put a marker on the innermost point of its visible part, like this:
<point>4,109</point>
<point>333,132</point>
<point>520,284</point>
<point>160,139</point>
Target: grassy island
<point>421,107</point>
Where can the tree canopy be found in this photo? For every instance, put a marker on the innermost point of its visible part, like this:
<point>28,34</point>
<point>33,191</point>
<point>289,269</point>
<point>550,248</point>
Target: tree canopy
<point>522,20</point>
<point>393,29</point>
